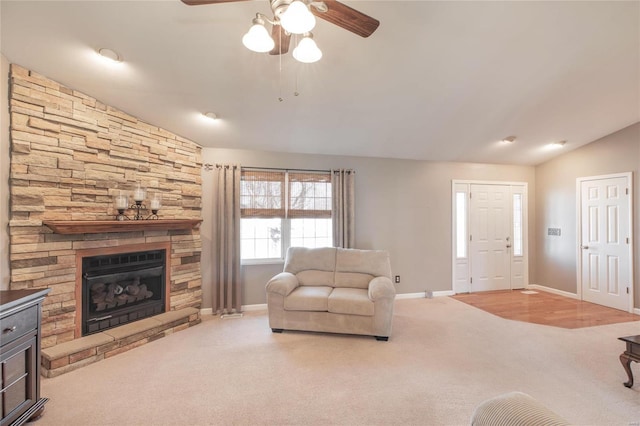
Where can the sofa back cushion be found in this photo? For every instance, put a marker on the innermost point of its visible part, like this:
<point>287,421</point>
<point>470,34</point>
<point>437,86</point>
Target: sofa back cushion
<point>314,277</point>
<point>312,266</point>
<point>352,280</point>
<point>355,268</point>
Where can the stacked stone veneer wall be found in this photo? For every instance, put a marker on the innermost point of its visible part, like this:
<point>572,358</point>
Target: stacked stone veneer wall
<point>69,155</point>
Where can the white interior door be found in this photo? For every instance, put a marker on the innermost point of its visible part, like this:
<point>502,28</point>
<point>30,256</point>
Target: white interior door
<point>490,237</point>
<point>605,231</point>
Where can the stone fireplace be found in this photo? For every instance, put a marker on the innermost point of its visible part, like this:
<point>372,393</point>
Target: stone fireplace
<point>70,155</point>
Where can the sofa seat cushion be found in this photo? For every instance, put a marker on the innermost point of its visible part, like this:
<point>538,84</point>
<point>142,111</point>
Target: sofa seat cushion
<point>352,301</point>
<point>308,298</point>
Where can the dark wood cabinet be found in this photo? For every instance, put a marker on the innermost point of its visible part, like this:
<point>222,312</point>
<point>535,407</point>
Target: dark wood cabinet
<point>20,355</point>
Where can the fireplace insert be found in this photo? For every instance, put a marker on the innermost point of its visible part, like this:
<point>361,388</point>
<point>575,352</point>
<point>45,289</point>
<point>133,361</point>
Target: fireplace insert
<point>121,288</point>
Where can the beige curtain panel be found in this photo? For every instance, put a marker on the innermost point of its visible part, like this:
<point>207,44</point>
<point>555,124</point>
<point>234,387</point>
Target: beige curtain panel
<point>227,297</point>
<point>343,208</point>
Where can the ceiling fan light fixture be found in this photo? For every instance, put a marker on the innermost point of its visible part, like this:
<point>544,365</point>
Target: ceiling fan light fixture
<point>257,38</point>
<point>307,50</point>
<point>297,19</point>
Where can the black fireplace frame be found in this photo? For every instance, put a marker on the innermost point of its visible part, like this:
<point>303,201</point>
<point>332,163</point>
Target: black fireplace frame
<point>143,262</point>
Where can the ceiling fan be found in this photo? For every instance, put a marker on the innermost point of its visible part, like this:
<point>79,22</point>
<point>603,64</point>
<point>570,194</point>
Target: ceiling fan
<point>297,17</point>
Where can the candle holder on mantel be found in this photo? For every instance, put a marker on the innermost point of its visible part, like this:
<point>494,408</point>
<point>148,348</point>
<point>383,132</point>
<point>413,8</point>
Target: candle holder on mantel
<point>138,197</point>
<point>121,202</point>
<point>156,203</point>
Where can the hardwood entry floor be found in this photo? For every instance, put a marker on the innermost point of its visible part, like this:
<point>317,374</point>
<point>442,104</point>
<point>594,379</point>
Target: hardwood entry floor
<point>544,308</point>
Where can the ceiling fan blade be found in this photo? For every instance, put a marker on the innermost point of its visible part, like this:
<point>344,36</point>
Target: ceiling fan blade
<point>348,18</point>
<point>281,38</point>
<point>201,2</point>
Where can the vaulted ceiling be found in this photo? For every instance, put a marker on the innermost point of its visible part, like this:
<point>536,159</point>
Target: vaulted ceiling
<point>441,81</point>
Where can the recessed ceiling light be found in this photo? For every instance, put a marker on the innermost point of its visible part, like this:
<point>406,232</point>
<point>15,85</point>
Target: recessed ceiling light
<point>211,115</point>
<point>508,139</point>
<point>558,144</point>
<point>110,54</point>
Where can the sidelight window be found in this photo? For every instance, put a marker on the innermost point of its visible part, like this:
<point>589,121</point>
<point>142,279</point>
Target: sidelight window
<point>461,225</point>
<point>517,225</point>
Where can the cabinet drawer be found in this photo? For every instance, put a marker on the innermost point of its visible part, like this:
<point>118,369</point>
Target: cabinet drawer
<point>16,325</point>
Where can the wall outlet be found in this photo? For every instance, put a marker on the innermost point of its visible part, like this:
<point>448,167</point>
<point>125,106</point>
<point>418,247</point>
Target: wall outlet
<point>397,279</point>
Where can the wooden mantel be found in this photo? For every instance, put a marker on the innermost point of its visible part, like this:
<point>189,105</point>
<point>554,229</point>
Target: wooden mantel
<point>103,226</point>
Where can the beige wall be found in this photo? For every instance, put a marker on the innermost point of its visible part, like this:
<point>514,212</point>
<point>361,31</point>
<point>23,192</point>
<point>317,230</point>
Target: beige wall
<point>556,203</point>
<point>4,173</point>
<point>402,206</point>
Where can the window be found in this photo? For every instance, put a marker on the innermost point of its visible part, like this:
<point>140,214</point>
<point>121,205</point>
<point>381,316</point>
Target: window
<point>280,209</point>
<point>517,225</point>
<point>461,225</point>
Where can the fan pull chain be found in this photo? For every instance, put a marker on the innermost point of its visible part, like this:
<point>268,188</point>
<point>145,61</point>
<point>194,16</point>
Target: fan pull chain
<point>295,92</point>
<point>280,66</point>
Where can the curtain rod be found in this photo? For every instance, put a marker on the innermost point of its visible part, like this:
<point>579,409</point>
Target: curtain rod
<point>286,170</point>
<point>209,167</point>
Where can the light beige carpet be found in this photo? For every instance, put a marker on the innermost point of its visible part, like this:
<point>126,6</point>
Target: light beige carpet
<point>444,357</point>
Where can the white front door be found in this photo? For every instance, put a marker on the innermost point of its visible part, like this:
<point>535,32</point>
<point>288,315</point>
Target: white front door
<point>605,231</point>
<point>490,242</point>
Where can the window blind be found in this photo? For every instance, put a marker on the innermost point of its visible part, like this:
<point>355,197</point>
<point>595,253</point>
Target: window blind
<point>309,195</point>
<point>263,194</point>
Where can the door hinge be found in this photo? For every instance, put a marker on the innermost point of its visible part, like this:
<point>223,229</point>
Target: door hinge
<point>470,237</point>
<point>471,281</point>
<point>626,191</point>
<point>627,290</point>
<point>627,240</point>
<point>470,195</point>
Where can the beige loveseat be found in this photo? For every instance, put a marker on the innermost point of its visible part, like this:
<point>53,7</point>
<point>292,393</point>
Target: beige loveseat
<point>333,290</point>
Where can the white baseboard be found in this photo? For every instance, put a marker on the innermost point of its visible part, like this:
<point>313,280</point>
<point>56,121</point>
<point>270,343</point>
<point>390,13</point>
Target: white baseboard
<point>443,293</point>
<point>256,307</point>
<point>423,294</point>
<point>552,290</point>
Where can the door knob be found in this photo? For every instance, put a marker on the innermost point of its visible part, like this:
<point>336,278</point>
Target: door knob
<point>508,245</point>
<point>584,247</point>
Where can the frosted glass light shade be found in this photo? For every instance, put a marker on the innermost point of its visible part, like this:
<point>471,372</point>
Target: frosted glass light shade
<point>297,19</point>
<point>258,39</point>
<point>156,202</point>
<point>121,202</point>
<point>139,193</point>
<point>307,51</point>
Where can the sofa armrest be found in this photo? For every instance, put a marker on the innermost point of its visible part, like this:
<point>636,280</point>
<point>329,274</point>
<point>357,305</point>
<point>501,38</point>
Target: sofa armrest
<point>381,288</point>
<point>282,284</point>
